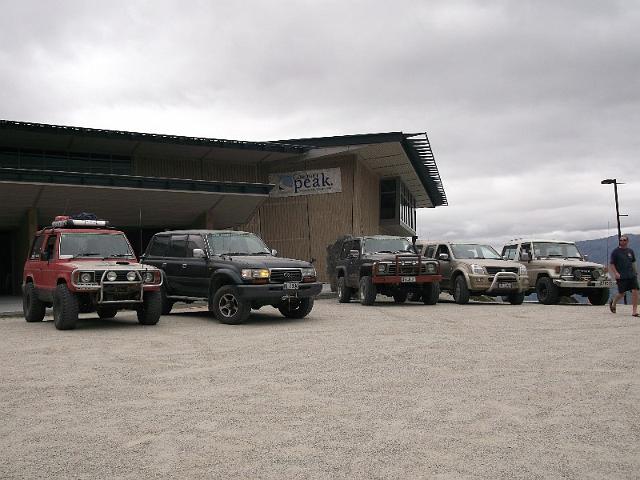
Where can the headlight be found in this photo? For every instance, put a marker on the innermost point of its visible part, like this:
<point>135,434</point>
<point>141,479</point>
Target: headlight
<point>478,269</point>
<point>309,272</point>
<point>86,277</point>
<point>522,271</point>
<point>382,267</point>
<point>432,268</point>
<point>131,276</point>
<point>111,276</point>
<point>251,273</point>
<point>566,271</point>
<point>148,277</point>
<point>597,273</point>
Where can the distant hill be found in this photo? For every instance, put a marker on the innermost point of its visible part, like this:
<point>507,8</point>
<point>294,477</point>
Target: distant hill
<point>599,249</point>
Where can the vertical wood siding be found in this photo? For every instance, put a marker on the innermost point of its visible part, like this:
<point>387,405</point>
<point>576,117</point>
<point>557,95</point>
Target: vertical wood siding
<point>194,169</point>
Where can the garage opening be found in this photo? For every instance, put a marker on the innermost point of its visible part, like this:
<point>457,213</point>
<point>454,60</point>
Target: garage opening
<point>7,267</point>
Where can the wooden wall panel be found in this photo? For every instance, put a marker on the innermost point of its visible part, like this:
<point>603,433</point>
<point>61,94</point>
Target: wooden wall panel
<point>194,169</point>
<point>366,204</point>
<point>285,227</point>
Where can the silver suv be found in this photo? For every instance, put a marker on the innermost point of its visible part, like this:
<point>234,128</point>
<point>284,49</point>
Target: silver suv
<point>476,269</point>
<point>557,268</point>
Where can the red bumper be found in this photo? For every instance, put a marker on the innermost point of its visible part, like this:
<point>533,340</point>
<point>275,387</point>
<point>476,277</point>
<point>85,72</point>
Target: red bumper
<point>405,279</point>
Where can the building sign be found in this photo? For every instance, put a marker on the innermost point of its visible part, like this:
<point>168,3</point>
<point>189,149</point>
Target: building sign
<point>309,182</point>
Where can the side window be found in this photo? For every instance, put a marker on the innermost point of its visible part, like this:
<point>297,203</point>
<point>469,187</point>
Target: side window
<point>442,249</point>
<point>195,241</point>
<point>431,251</point>
<point>36,248</point>
<point>159,246</point>
<point>346,246</point>
<point>525,248</point>
<point>178,246</point>
<point>356,245</point>
<point>509,252</point>
<point>50,249</point>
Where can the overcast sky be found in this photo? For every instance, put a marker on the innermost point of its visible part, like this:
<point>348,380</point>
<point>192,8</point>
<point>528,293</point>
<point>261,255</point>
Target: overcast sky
<point>527,104</point>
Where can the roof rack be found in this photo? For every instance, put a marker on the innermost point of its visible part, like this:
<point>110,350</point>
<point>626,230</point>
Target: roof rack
<point>68,221</point>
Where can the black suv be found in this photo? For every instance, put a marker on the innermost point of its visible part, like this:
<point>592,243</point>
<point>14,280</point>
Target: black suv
<point>385,265</point>
<point>234,271</point>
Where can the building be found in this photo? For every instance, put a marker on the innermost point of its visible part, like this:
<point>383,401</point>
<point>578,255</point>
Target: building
<point>298,195</point>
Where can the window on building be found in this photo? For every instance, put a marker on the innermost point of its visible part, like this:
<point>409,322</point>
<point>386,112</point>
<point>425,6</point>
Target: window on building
<point>62,161</point>
<point>397,204</point>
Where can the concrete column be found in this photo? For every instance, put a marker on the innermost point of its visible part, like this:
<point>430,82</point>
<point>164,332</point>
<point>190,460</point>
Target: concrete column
<point>23,236</point>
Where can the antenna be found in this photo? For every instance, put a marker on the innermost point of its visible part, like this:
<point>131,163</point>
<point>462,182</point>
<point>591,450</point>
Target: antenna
<point>140,226</point>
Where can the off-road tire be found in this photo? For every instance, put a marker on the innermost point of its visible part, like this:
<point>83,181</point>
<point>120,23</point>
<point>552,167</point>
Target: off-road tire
<point>228,307</point>
<point>367,291</point>
<point>460,290</point>
<point>65,308</point>
<point>547,292</point>
<point>32,306</point>
<point>516,298</point>
<point>151,310</point>
<point>167,304</point>
<point>430,293</point>
<point>400,296</point>
<point>599,296</point>
<point>296,308</point>
<point>106,312</point>
<point>344,292</point>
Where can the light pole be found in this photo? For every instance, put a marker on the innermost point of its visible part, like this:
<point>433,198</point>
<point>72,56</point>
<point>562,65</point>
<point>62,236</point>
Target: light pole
<point>615,183</point>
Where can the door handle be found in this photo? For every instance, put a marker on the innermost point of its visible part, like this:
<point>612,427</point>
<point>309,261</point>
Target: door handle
<point>184,265</point>
<point>163,265</point>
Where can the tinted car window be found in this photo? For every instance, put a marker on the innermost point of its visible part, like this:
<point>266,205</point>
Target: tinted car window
<point>195,241</point>
<point>50,252</point>
<point>159,246</point>
<point>36,248</point>
<point>178,246</point>
<point>431,251</point>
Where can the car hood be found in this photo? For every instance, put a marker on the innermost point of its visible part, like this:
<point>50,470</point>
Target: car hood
<point>391,257</point>
<point>572,262</point>
<point>267,261</point>
<point>489,262</point>
<point>109,265</point>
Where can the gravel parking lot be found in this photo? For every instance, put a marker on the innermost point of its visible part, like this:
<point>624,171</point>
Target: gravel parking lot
<point>389,391</point>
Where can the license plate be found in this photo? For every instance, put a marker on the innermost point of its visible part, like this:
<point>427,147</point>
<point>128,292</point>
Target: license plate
<point>408,279</point>
<point>291,285</point>
<point>606,283</point>
<point>505,285</point>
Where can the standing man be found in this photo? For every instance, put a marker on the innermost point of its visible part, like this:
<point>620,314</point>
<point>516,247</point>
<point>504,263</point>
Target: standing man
<point>623,267</point>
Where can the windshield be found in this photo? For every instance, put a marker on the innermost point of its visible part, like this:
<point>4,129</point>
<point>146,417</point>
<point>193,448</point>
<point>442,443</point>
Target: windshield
<point>387,245</point>
<point>236,244</point>
<point>465,251</point>
<point>94,245</point>
<point>553,249</point>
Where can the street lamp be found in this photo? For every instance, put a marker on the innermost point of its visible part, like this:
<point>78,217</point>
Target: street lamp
<point>614,181</point>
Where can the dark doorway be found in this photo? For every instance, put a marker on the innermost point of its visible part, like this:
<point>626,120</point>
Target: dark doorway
<point>6,263</point>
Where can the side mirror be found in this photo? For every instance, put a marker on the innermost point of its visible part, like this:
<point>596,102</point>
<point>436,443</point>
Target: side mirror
<point>312,261</point>
<point>585,257</point>
<point>199,253</point>
<point>274,252</point>
<point>444,257</point>
<point>354,253</point>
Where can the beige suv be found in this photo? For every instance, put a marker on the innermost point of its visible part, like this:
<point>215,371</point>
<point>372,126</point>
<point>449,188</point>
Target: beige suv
<point>556,268</point>
<point>476,269</point>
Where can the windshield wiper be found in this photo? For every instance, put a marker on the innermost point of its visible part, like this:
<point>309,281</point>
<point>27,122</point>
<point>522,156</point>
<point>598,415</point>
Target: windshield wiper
<point>383,251</point>
<point>118,255</point>
<point>87,254</point>
<point>235,253</point>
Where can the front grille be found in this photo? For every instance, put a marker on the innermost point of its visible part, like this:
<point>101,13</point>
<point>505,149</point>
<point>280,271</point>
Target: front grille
<point>583,273</point>
<point>494,270</point>
<point>407,269</point>
<point>121,275</point>
<point>281,275</point>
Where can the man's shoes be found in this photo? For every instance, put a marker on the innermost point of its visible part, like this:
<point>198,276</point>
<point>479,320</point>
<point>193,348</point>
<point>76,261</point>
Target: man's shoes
<point>612,307</point>
<point>635,314</point>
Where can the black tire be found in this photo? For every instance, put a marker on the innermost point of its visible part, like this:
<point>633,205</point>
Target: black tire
<point>151,310</point>
<point>515,298</point>
<point>65,308</point>
<point>430,293</point>
<point>167,304</point>
<point>32,307</point>
<point>460,290</point>
<point>344,292</point>
<point>400,296</point>
<point>296,308</point>
<point>547,292</point>
<point>367,291</point>
<point>599,296</point>
<point>415,297</point>
<point>106,312</point>
<point>228,307</point>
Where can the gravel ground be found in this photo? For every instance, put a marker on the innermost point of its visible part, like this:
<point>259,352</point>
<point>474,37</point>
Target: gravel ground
<point>389,391</point>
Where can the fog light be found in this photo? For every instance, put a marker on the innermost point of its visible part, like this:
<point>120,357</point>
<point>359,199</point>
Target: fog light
<point>148,277</point>
<point>111,276</point>
<point>131,276</point>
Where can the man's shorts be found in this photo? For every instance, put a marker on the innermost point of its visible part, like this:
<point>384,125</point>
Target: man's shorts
<point>627,284</point>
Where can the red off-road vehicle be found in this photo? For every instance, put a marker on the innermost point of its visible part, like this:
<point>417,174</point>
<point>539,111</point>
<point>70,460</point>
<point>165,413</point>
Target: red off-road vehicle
<point>81,265</point>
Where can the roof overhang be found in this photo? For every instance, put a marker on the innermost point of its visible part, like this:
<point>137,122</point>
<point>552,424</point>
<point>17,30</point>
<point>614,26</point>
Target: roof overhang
<point>126,200</point>
<point>407,156</point>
